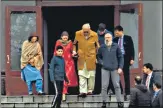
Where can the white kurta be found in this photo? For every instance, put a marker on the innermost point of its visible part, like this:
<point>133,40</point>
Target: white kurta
<point>84,75</point>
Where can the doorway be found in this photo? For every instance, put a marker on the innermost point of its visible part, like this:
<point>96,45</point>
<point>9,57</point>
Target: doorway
<point>34,14</point>
<point>71,19</point>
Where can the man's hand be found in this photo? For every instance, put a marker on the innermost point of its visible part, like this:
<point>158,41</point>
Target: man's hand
<point>119,71</point>
<point>96,61</point>
<point>67,81</point>
<point>74,53</point>
<point>131,62</point>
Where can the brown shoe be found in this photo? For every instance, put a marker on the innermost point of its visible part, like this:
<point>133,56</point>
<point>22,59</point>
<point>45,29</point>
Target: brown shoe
<point>89,93</point>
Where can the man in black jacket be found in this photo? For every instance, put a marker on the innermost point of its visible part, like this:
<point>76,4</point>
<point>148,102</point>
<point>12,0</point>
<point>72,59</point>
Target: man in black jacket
<point>149,77</point>
<point>140,96</point>
<point>157,97</point>
<point>127,47</point>
<point>110,57</point>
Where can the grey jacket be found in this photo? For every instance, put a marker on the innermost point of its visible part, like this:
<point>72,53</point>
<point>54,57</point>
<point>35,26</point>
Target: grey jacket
<point>157,101</point>
<point>140,97</point>
<point>110,59</point>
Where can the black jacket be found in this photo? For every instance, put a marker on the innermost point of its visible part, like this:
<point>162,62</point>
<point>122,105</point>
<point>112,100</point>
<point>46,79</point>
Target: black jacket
<point>57,69</point>
<point>128,46</point>
<point>110,59</point>
<point>155,77</point>
<point>157,101</point>
<point>140,97</point>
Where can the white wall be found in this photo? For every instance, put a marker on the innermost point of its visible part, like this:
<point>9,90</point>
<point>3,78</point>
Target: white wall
<point>2,10</point>
<point>152,21</point>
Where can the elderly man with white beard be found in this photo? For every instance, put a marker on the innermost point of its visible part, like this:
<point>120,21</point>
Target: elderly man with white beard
<point>86,45</point>
<point>110,57</point>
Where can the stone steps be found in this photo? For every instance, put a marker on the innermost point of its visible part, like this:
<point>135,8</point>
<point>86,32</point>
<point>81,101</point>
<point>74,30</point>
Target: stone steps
<point>49,98</point>
<point>64,105</point>
<point>45,101</point>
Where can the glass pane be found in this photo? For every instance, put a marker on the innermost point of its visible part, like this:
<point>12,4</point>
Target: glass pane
<point>22,24</point>
<point>129,21</point>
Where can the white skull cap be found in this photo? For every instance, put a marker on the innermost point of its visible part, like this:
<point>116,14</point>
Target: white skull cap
<point>110,34</point>
<point>87,26</point>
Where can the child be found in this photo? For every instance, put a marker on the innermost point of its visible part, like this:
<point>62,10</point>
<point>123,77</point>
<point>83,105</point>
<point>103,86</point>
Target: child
<point>57,76</point>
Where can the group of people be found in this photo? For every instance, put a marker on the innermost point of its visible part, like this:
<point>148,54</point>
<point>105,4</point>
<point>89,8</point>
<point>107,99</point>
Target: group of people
<point>113,54</point>
<point>147,92</point>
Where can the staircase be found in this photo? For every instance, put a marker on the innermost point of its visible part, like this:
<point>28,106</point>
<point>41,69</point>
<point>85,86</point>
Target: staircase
<point>45,101</point>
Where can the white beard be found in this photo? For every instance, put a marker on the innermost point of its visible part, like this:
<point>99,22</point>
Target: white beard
<point>86,37</point>
<point>108,43</point>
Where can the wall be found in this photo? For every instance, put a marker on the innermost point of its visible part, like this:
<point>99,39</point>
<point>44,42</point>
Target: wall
<point>152,39</point>
<point>152,30</point>
<point>4,4</point>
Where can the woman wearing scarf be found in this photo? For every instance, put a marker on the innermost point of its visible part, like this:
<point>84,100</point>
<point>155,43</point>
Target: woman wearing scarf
<point>31,63</point>
<point>69,62</point>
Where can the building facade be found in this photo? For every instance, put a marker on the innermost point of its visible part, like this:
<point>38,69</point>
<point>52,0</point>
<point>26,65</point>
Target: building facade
<point>141,20</point>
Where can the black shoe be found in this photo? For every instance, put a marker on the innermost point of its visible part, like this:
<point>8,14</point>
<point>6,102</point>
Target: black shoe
<point>58,106</point>
<point>120,105</point>
<point>103,105</point>
<point>126,97</point>
<point>31,94</point>
<point>41,93</point>
<point>83,95</point>
<point>52,106</point>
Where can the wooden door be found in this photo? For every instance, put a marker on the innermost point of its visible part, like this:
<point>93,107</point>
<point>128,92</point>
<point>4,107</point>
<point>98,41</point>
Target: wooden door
<point>130,17</point>
<point>20,22</point>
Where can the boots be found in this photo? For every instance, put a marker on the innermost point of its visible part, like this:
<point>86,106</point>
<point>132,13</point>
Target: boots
<point>120,105</point>
<point>103,105</point>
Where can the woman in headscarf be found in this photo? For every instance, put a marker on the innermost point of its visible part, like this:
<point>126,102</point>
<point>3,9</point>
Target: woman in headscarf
<point>69,62</point>
<point>31,63</point>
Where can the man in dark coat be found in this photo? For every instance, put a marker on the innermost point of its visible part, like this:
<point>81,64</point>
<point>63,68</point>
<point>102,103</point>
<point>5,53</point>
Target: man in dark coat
<point>127,47</point>
<point>157,97</point>
<point>149,77</point>
<point>140,96</point>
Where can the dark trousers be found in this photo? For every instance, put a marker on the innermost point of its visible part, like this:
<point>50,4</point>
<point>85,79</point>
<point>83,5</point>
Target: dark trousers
<point>126,73</point>
<point>97,88</point>
<point>58,85</point>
